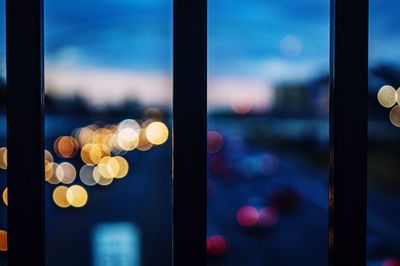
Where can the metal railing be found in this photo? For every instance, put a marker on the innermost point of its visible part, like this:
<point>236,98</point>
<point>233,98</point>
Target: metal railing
<point>24,26</point>
<point>348,132</point>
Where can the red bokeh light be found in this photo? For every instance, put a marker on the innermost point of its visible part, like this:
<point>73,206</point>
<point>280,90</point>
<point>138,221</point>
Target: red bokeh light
<point>248,216</point>
<point>214,141</point>
<point>391,262</point>
<point>216,245</point>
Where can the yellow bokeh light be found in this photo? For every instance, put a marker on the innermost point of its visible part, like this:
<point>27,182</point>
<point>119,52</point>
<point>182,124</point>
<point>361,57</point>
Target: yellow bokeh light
<point>3,241</point>
<point>128,139</point>
<point>51,173</point>
<point>101,136</point>
<point>398,95</point>
<point>123,167</point>
<point>93,153</point>
<point>48,167</point>
<point>77,196</point>
<point>3,158</point>
<point>144,144</point>
<point>395,116</point>
<point>157,133</point>
<point>101,180</point>
<point>5,196</point>
<point>48,157</point>
<point>48,170</point>
<point>60,197</point>
<point>387,96</point>
<point>83,135</point>
<point>85,153</point>
<point>108,167</point>
<point>113,144</point>
<point>105,150</point>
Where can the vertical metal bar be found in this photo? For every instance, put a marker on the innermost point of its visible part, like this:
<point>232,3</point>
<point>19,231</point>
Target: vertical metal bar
<point>24,26</point>
<point>348,132</point>
<point>190,125</point>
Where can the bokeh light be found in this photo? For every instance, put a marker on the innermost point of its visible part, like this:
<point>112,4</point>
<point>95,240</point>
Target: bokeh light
<point>157,133</point>
<point>66,173</point>
<point>128,139</point>
<point>214,142</point>
<point>144,144</point>
<point>216,245</point>
<point>83,135</point>
<point>247,216</point>
<point>114,146</point>
<point>108,167</point>
<point>60,197</point>
<point>268,217</point>
<point>77,196</point>
<point>100,179</point>
<point>123,167</point>
<point>291,46</point>
<point>5,196</point>
<point>398,95</point>
<point>3,241</point>
<point>391,262</point>
<point>242,103</point>
<point>129,123</point>
<point>394,116</point>
<point>86,175</point>
<point>101,136</point>
<point>93,153</point>
<point>51,173</point>
<point>65,146</point>
<point>96,144</point>
<point>387,96</point>
<point>48,157</point>
<point>3,158</point>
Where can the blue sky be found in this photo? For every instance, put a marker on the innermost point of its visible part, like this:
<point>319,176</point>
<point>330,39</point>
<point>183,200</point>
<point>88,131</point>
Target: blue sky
<point>138,34</point>
<point>247,38</point>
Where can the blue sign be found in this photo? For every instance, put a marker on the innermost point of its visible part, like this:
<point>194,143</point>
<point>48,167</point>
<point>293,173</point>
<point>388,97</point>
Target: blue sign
<point>116,244</point>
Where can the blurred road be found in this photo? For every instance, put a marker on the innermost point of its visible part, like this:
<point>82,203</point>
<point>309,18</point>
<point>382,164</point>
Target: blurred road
<point>143,198</point>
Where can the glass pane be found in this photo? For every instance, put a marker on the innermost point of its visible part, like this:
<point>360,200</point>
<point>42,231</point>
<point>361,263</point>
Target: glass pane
<point>268,132</point>
<point>3,162</point>
<point>108,132</point>
<point>384,135</point>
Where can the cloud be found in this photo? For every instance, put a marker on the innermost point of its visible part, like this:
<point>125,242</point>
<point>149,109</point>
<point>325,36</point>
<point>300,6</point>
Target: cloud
<point>277,70</point>
<point>102,86</point>
<point>222,90</point>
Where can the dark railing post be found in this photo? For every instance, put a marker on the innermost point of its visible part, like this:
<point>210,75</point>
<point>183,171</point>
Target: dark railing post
<point>190,125</point>
<point>24,26</point>
<point>348,132</point>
